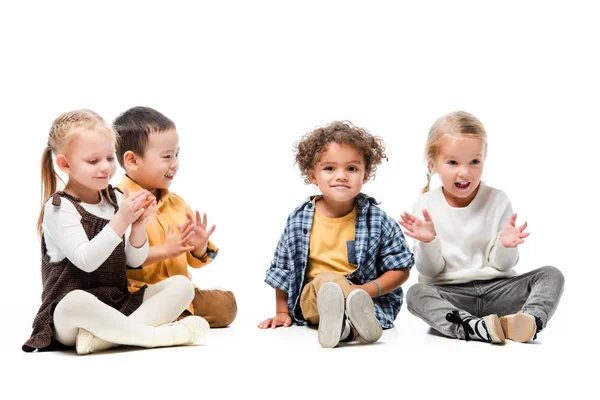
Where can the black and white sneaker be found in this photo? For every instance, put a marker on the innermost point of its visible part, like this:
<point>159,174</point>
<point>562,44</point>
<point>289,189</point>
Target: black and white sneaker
<point>487,329</point>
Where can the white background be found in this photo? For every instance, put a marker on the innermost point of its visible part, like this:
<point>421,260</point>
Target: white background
<point>243,81</point>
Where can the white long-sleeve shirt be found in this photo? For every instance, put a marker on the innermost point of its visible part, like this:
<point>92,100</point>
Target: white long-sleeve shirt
<point>65,237</point>
<point>467,245</point>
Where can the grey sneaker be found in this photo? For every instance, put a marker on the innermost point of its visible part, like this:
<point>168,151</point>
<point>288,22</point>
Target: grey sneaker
<point>330,303</point>
<point>361,314</point>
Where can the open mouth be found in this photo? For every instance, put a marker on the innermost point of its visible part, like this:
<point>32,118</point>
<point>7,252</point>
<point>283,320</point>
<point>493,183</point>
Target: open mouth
<point>169,176</point>
<point>462,185</point>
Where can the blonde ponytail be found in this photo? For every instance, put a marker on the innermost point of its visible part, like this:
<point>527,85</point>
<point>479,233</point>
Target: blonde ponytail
<point>63,130</point>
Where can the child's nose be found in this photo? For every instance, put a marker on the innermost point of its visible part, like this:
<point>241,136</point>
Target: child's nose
<point>342,175</point>
<point>464,170</point>
<point>105,166</point>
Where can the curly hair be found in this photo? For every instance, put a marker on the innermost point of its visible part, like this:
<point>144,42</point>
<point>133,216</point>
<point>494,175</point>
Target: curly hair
<point>309,149</point>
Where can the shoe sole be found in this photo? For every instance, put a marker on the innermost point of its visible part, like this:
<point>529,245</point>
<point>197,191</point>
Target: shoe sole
<point>518,328</point>
<point>494,329</point>
<point>83,342</point>
<point>361,313</point>
<point>330,303</point>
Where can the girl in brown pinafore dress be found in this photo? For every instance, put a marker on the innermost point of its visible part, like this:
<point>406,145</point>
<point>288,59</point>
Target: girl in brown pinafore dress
<point>88,304</point>
<point>108,283</point>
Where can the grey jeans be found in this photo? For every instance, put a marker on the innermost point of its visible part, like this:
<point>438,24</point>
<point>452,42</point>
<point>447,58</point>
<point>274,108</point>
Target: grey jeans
<point>536,292</point>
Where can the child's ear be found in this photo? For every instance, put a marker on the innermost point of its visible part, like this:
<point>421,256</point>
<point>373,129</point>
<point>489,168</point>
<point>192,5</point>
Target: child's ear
<point>130,160</point>
<point>431,166</point>
<point>63,163</point>
<point>312,177</point>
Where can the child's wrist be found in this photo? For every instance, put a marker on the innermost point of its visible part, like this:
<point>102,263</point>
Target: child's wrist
<point>199,255</point>
<point>374,281</point>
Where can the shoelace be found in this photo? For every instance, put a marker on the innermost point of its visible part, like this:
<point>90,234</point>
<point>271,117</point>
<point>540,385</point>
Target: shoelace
<point>455,318</point>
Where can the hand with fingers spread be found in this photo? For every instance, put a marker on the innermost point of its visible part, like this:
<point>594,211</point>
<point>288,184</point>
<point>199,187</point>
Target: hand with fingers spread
<point>176,244</point>
<point>200,238</point>
<point>280,319</point>
<point>419,229</point>
<point>513,235</point>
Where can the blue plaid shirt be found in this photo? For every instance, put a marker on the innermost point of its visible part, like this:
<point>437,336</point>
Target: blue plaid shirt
<point>379,246</point>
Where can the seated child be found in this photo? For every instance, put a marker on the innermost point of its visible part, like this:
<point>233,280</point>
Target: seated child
<point>148,150</point>
<point>341,260</point>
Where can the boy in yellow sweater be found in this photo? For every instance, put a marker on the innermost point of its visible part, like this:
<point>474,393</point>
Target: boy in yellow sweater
<point>148,151</point>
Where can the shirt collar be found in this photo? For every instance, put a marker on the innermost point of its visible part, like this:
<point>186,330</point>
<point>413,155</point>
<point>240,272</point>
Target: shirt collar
<point>134,187</point>
<point>362,200</point>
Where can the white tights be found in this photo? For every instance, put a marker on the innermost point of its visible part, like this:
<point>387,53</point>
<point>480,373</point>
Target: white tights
<point>162,304</point>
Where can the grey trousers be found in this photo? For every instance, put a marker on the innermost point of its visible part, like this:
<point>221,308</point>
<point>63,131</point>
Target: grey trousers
<point>536,292</point>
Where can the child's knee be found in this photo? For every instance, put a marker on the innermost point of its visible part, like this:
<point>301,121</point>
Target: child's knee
<point>181,284</point>
<point>218,307</point>
<point>73,304</point>
<point>325,277</point>
<point>554,275</point>
<point>414,295</point>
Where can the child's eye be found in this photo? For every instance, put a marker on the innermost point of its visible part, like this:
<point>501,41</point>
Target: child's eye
<point>177,155</point>
<point>92,161</point>
<point>167,156</point>
<point>476,161</point>
<point>328,168</point>
<point>452,162</point>
<point>353,169</point>
<point>110,158</point>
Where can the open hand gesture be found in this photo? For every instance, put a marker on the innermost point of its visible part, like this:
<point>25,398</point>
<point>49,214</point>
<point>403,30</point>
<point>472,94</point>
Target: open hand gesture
<point>418,229</point>
<point>200,238</point>
<point>281,319</point>
<point>512,235</point>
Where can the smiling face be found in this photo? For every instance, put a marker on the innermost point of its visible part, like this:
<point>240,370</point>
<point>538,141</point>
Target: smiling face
<point>89,160</point>
<point>340,173</point>
<point>459,163</point>
<point>158,166</point>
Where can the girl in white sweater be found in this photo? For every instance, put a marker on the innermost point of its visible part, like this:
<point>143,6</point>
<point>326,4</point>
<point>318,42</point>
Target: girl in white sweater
<point>466,247</point>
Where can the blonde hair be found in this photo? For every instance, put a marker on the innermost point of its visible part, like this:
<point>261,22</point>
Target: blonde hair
<point>64,129</point>
<point>457,124</point>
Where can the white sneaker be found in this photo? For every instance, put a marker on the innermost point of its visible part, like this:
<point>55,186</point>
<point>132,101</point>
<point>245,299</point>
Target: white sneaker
<point>198,327</point>
<point>83,342</point>
<point>361,313</point>
<point>330,303</point>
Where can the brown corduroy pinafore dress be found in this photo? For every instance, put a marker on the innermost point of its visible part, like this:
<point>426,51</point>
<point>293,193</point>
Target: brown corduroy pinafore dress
<point>108,283</point>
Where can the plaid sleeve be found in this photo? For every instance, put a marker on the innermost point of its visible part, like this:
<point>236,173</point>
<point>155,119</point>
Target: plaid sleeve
<point>277,275</point>
<point>394,253</point>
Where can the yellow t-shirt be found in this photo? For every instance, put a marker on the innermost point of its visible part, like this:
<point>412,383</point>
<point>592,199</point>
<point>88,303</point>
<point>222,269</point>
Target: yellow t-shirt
<point>331,243</point>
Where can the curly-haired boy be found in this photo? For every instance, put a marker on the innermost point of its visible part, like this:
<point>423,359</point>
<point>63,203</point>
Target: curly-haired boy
<point>341,260</point>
